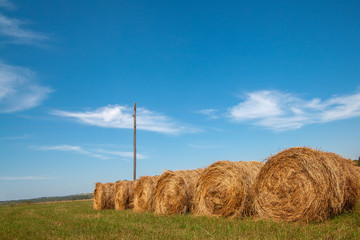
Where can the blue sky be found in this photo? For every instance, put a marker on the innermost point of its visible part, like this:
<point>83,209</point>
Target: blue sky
<point>235,80</point>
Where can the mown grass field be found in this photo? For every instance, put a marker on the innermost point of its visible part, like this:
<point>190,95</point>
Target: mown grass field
<point>77,220</point>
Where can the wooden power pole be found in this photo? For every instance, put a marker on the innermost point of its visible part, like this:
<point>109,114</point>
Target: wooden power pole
<point>134,141</point>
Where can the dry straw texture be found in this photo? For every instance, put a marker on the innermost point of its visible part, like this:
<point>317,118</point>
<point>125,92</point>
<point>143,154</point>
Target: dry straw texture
<point>97,196</point>
<point>104,196</point>
<point>306,185</point>
<point>223,189</point>
<point>124,195</point>
<point>143,193</point>
<point>175,190</point>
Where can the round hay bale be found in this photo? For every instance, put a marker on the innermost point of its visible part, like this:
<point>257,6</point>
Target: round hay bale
<point>97,204</point>
<point>143,193</point>
<point>124,195</point>
<point>175,190</point>
<point>104,196</point>
<point>351,174</point>
<point>109,195</point>
<point>223,189</point>
<point>305,185</point>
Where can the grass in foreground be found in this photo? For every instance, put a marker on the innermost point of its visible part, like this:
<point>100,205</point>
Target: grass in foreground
<point>77,220</point>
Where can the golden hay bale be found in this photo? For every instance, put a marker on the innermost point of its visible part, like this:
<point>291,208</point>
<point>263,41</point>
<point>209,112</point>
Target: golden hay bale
<point>124,195</point>
<point>104,196</point>
<point>223,189</point>
<point>306,185</point>
<point>143,193</point>
<point>174,191</point>
<point>97,196</point>
<point>351,174</point>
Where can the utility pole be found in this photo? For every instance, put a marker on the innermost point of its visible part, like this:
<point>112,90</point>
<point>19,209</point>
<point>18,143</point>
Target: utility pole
<point>134,141</point>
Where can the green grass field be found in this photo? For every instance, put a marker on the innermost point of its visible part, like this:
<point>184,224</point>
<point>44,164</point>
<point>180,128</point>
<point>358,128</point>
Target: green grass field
<point>77,220</point>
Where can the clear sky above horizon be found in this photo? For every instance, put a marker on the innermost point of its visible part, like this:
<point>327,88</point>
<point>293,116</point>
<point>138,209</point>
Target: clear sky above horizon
<point>234,80</point>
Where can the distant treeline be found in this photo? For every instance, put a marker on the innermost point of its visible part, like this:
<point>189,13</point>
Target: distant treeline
<point>49,199</point>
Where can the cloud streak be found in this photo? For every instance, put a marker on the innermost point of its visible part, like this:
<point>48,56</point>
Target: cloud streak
<point>19,90</point>
<point>14,137</point>
<point>76,149</point>
<point>12,28</point>
<point>122,154</point>
<point>283,111</point>
<point>96,153</point>
<point>115,116</point>
<point>7,5</point>
<point>212,113</point>
<point>26,178</point>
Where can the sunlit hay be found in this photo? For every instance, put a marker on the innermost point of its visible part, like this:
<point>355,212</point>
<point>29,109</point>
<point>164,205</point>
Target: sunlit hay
<point>174,191</point>
<point>305,185</point>
<point>124,195</point>
<point>143,193</point>
<point>223,189</point>
<point>351,174</point>
<point>108,196</point>
<point>98,191</point>
<point>104,196</point>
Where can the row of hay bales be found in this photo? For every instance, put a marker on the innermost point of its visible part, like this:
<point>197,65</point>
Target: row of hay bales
<point>297,184</point>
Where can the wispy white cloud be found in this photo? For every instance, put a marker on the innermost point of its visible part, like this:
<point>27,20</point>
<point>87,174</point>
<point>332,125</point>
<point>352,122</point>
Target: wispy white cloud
<point>95,152</point>
<point>14,137</point>
<point>283,111</point>
<point>7,5</point>
<point>26,178</point>
<point>121,154</point>
<point>115,116</point>
<point>212,113</point>
<point>13,29</point>
<point>260,104</point>
<point>19,90</point>
<point>69,148</point>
